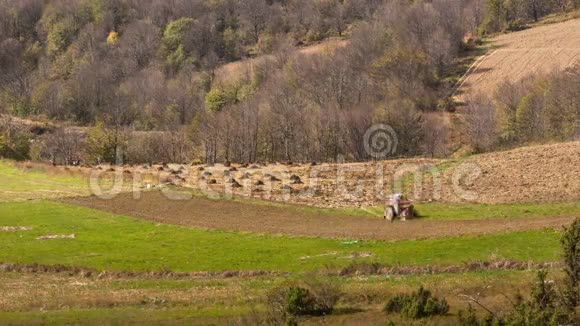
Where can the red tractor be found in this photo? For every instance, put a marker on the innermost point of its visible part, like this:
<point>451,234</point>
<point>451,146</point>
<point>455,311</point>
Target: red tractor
<point>399,206</point>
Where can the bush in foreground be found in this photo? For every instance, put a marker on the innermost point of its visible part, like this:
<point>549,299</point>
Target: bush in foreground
<point>543,308</point>
<point>548,304</point>
<point>571,246</point>
<point>308,297</point>
<point>417,305</point>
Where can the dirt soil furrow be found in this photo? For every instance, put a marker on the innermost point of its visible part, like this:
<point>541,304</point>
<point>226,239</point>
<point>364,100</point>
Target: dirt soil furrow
<point>205,213</point>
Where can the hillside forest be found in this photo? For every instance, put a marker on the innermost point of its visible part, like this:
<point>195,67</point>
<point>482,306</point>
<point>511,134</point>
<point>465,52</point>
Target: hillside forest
<point>228,80</point>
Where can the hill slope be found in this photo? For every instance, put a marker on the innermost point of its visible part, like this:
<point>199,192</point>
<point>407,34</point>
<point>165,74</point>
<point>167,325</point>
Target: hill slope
<point>521,54</point>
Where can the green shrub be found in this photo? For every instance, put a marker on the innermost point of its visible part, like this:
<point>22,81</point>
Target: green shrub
<point>14,144</point>
<point>314,36</point>
<point>547,304</point>
<point>216,99</point>
<point>105,144</point>
<point>419,304</point>
<point>301,302</point>
<point>309,297</point>
<point>469,318</point>
<point>175,60</point>
<point>571,246</point>
<point>515,25</point>
<point>174,44</point>
<point>446,104</point>
<point>221,96</point>
<point>174,34</point>
<point>60,35</point>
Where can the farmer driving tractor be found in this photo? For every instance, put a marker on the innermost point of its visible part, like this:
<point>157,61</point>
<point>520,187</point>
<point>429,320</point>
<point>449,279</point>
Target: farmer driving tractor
<point>399,206</point>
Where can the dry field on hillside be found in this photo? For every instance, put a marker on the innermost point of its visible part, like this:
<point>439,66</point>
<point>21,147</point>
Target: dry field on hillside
<point>547,173</point>
<point>517,55</point>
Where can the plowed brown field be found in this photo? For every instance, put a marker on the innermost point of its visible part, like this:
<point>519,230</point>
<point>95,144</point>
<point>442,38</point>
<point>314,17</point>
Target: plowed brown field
<point>546,173</point>
<point>235,216</point>
<point>520,54</point>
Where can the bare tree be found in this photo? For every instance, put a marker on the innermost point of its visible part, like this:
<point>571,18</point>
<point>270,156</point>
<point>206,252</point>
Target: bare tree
<point>140,42</point>
<point>63,147</point>
<point>255,15</point>
<point>286,106</point>
<point>481,123</point>
<point>435,135</point>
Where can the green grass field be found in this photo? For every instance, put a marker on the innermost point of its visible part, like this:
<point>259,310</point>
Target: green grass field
<point>110,242</point>
<point>442,211</point>
<point>138,315</point>
<point>445,211</point>
<point>23,184</point>
<point>209,301</point>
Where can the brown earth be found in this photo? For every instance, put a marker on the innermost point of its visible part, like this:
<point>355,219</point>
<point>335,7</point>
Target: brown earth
<point>547,173</point>
<point>534,174</point>
<point>324,185</point>
<point>230,215</point>
<point>517,55</point>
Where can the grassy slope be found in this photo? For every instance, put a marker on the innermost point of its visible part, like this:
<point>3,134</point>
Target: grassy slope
<point>18,185</point>
<point>443,211</point>
<point>23,181</point>
<point>106,241</point>
<point>205,301</point>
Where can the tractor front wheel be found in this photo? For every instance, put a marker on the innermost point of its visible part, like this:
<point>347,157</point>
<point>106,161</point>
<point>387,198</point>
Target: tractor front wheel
<point>390,214</point>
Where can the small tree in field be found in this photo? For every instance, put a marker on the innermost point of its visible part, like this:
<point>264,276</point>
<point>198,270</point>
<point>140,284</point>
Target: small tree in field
<point>571,245</point>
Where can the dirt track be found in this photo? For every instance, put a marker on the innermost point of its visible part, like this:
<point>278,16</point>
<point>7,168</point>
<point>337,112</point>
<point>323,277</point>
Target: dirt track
<point>520,54</point>
<point>236,216</point>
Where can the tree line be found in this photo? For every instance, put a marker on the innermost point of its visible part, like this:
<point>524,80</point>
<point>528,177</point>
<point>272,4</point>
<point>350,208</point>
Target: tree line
<point>145,73</point>
<point>537,109</point>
